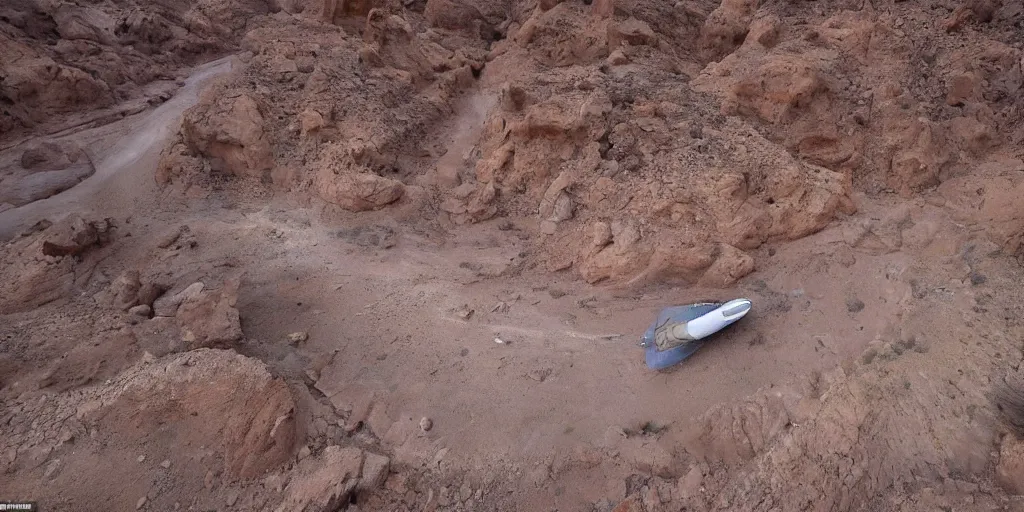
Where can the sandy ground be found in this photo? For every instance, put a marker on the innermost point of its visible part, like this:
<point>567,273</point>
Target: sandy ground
<point>402,321</point>
<point>430,351</point>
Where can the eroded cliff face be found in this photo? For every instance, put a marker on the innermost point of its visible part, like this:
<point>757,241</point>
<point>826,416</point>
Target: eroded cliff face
<point>650,142</point>
<point>63,59</point>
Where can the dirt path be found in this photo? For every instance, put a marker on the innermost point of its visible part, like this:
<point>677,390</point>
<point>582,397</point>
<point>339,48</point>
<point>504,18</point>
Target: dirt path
<point>123,179</point>
<point>391,304</point>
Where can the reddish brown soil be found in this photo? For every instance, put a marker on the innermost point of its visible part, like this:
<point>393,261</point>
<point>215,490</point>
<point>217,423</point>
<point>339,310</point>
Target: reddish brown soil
<point>275,281</point>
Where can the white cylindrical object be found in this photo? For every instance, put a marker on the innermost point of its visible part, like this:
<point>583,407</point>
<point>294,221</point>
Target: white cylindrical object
<point>706,325</point>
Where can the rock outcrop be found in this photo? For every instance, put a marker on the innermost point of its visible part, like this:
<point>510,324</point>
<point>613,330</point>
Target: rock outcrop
<point>209,318</point>
<point>42,267</point>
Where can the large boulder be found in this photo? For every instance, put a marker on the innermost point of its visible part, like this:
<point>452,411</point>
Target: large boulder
<point>729,266</point>
<point>76,22</point>
<point>391,42</point>
<point>920,150</point>
<point>325,482</point>
<point>631,31</point>
<point>51,156</point>
<point>230,132</point>
<point>41,268</point>
<point>214,398</point>
<point>1010,470</point>
<point>614,252</point>
<point>358,191</point>
<point>471,202</point>
<point>209,318</point>
<point>726,27</point>
<point>780,84</point>
<point>39,86</point>
<point>803,199</point>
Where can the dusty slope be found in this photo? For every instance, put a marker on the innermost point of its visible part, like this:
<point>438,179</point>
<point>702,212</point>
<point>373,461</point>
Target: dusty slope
<point>381,190</point>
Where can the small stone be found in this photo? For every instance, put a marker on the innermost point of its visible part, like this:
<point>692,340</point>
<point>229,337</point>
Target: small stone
<point>232,498</point>
<point>167,305</point>
<point>602,234</point>
<point>617,58</point>
<point>967,487</point>
<point>978,278</point>
<point>962,89</point>
<point>142,310</point>
<point>166,463</point>
<point>274,482</point>
<point>845,257</point>
<point>320,426</point>
<point>854,305</point>
<point>479,494</point>
<point>650,498</point>
<point>142,458</point>
<point>51,469</point>
<point>563,209</point>
<point>124,291</point>
<point>398,483</point>
<point>548,227</point>
<point>465,492</point>
<point>66,437</point>
<point>610,168</point>
<point>540,374</point>
<point>169,238</point>
<point>375,471</point>
<point>141,503</point>
<point>426,424</point>
<point>465,313</point>
<point>311,121</point>
<point>304,452</point>
<point>305,65</point>
<point>689,485</point>
<point>297,337</point>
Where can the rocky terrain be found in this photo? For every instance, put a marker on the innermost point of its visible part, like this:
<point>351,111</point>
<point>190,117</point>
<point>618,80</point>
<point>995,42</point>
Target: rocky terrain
<point>395,255</point>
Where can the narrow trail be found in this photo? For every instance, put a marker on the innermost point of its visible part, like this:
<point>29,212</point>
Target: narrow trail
<point>124,171</point>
